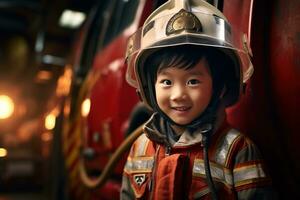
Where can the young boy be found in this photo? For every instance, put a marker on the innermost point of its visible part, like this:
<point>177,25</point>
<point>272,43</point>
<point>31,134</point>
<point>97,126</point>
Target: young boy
<point>188,71</point>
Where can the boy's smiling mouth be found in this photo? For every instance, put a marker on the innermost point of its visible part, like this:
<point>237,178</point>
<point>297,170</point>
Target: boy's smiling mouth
<point>181,108</point>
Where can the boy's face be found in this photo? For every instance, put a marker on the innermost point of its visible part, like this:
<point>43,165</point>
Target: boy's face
<point>184,94</point>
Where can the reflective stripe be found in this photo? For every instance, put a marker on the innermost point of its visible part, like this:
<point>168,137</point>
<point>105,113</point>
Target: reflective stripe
<point>139,165</point>
<point>247,174</point>
<point>224,148</point>
<point>142,144</point>
<point>218,172</point>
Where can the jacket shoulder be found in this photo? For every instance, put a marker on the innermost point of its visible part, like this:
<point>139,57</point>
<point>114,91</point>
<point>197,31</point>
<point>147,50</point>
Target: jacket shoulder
<point>140,146</point>
<point>225,146</point>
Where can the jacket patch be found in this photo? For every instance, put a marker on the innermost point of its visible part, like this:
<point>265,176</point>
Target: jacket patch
<point>139,179</point>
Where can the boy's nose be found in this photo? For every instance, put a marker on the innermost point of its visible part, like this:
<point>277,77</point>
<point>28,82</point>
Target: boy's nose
<point>178,93</point>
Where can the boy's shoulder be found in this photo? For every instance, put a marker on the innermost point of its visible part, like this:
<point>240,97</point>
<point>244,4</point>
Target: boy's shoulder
<point>229,135</point>
<point>141,145</point>
<point>233,144</point>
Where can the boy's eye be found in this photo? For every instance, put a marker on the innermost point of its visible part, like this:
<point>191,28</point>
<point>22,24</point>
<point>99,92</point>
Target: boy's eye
<point>166,82</point>
<point>193,82</point>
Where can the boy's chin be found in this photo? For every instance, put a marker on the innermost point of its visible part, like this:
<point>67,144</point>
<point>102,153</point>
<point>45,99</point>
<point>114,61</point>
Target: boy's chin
<point>181,123</point>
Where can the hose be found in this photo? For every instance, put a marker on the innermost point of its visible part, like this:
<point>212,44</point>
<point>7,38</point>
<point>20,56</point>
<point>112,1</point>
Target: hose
<point>110,166</point>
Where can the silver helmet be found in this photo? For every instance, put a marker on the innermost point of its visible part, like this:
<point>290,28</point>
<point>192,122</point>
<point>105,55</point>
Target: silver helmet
<point>188,22</point>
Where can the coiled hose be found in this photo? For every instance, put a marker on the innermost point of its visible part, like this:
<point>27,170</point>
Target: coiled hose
<point>99,181</point>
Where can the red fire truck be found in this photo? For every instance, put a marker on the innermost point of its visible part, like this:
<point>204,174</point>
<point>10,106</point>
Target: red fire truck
<point>98,109</point>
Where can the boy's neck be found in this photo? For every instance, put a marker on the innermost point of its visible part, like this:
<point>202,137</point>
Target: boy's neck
<point>178,130</point>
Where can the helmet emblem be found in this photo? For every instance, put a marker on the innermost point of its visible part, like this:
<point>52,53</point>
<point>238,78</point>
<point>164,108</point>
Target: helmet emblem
<point>183,21</point>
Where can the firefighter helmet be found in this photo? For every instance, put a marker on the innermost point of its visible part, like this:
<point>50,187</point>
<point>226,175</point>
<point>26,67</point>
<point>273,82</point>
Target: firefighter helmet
<point>188,22</point>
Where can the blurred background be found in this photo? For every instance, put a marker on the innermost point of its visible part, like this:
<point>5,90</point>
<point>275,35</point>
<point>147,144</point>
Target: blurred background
<point>36,41</point>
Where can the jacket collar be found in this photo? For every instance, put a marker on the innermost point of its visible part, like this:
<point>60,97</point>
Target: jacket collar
<point>156,130</point>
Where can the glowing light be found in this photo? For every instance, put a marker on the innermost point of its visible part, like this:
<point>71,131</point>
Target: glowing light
<point>3,152</point>
<point>71,19</point>
<point>47,136</point>
<point>55,111</point>
<point>85,107</point>
<point>6,107</point>
<point>50,121</point>
<point>67,107</point>
<point>64,82</point>
<point>44,75</point>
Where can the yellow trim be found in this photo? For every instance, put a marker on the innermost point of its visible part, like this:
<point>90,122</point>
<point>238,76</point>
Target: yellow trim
<point>138,171</point>
<point>253,166</point>
<point>246,182</point>
<point>140,158</point>
<point>248,174</point>
<point>72,157</point>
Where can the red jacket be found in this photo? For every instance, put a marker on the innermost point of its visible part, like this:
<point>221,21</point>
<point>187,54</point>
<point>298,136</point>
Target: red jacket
<point>157,170</point>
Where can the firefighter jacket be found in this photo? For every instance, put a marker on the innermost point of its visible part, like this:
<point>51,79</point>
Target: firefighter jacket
<point>156,169</point>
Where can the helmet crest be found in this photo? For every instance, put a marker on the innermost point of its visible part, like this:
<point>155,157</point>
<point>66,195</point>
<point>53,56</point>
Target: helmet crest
<point>183,21</point>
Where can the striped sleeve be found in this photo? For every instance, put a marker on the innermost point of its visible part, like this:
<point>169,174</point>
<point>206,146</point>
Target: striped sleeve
<point>250,177</point>
<point>138,163</point>
<point>127,191</point>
